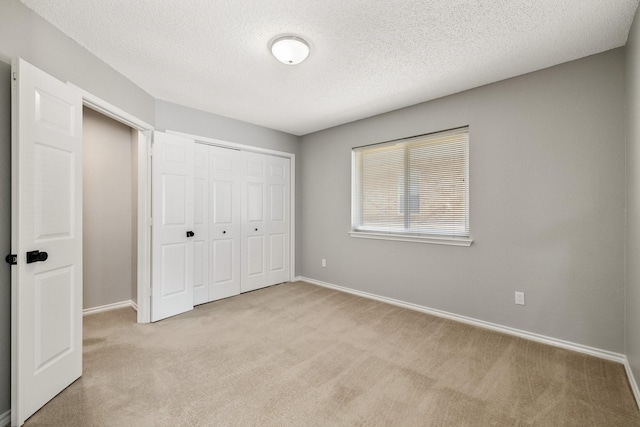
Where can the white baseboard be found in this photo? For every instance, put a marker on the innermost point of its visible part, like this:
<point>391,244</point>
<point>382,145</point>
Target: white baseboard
<point>108,307</point>
<point>5,419</point>
<point>632,381</point>
<point>603,354</point>
<point>134,305</point>
<point>297,279</point>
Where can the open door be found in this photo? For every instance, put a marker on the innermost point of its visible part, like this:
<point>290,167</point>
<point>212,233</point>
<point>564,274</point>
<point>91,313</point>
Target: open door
<point>173,225</point>
<point>46,223</point>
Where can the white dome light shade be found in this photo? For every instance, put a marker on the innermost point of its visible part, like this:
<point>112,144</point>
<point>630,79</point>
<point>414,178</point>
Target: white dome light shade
<point>290,50</point>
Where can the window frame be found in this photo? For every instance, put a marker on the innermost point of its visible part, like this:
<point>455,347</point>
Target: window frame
<point>405,236</point>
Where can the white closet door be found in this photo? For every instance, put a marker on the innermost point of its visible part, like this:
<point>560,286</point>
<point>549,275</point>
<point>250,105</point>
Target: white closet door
<point>254,222</point>
<point>279,202</point>
<point>201,225</point>
<point>225,229</point>
<point>172,207</point>
<point>46,288</point>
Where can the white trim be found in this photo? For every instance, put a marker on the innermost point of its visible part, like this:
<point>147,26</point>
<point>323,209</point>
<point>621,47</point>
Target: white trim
<point>602,354</point>
<point>144,193</point>
<point>292,189</point>
<point>297,279</point>
<point>110,110</point>
<point>292,216</point>
<point>5,419</point>
<point>632,381</point>
<point>453,241</point>
<point>109,307</point>
<point>134,305</point>
<point>143,279</point>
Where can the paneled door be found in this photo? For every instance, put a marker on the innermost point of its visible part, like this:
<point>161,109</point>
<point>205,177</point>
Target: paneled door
<point>278,223</point>
<point>254,221</point>
<point>266,222</point>
<point>224,233</point>
<point>201,225</point>
<point>46,282</point>
<point>173,225</point>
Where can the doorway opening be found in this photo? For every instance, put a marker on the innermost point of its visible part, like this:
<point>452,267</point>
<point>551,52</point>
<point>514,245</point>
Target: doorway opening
<point>140,145</point>
<point>110,216</point>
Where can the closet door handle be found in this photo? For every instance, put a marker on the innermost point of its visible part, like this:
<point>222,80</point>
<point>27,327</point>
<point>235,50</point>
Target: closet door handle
<point>256,229</point>
<point>190,234</point>
<point>224,232</point>
<point>35,256</point>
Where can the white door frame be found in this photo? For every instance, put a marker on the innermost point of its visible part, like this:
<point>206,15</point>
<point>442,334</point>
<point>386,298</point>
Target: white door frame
<point>251,148</point>
<point>145,131</point>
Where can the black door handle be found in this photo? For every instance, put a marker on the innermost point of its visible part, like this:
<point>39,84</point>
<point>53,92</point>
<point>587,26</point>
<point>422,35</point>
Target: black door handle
<point>35,256</point>
<point>224,232</point>
<point>256,229</point>
<point>190,234</point>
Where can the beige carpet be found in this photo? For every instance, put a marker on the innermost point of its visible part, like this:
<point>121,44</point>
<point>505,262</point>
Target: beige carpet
<point>301,355</point>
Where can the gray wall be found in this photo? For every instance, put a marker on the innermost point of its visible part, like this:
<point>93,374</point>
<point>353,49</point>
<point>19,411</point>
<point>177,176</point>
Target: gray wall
<point>184,119</point>
<point>547,161</point>
<point>5,236</point>
<point>196,122</point>
<point>632,331</point>
<point>106,210</point>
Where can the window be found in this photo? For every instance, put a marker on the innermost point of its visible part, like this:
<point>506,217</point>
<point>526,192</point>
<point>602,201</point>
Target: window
<point>413,189</point>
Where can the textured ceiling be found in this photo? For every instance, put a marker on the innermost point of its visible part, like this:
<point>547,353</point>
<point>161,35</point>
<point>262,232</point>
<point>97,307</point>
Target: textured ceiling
<point>367,56</point>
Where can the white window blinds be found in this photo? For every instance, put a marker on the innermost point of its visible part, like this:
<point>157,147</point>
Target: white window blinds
<point>416,186</point>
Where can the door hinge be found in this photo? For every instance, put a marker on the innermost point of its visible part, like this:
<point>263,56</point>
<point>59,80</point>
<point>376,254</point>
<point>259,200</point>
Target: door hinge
<point>15,76</point>
<point>150,222</point>
<point>11,259</point>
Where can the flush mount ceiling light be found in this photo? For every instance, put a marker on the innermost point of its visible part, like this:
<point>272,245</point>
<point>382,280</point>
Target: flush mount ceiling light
<point>290,50</point>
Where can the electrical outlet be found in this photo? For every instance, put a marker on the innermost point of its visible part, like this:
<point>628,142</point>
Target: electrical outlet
<point>324,262</point>
<point>520,298</point>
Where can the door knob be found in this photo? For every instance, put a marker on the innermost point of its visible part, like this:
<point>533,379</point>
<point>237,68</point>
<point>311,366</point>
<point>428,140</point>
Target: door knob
<point>35,256</point>
<point>256,229</point>
<point>190,234</point>
<point>224,232</point>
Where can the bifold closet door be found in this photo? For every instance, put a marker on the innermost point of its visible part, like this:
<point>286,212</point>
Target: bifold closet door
<point>201,225</point>
<point>254,222</point>
<point>173,221</point>
<point>278,221</point>
<point>265,221</point>
<point>224,222</point>
<point>221,223</point>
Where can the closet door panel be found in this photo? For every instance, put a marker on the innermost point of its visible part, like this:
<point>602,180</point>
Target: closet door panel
<point>225,218</point>
<point>255,203</point>
<point>201,225</point>
<point>278,227</point>
<point>255,256</point>
<point>173,216</point>
<point>277,252</point>
<point>224,271</point>
<point>254,222</point>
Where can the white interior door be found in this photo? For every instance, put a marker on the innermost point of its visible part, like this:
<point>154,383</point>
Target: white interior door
<point>173,221</point>
<point>224,235</point>
<point>254,222</point>
<point>46,315</point>
<point>201,225</point>
<point>278,226</point>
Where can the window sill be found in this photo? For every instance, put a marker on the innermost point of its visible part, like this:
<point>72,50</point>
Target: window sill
<point>453,241</point>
